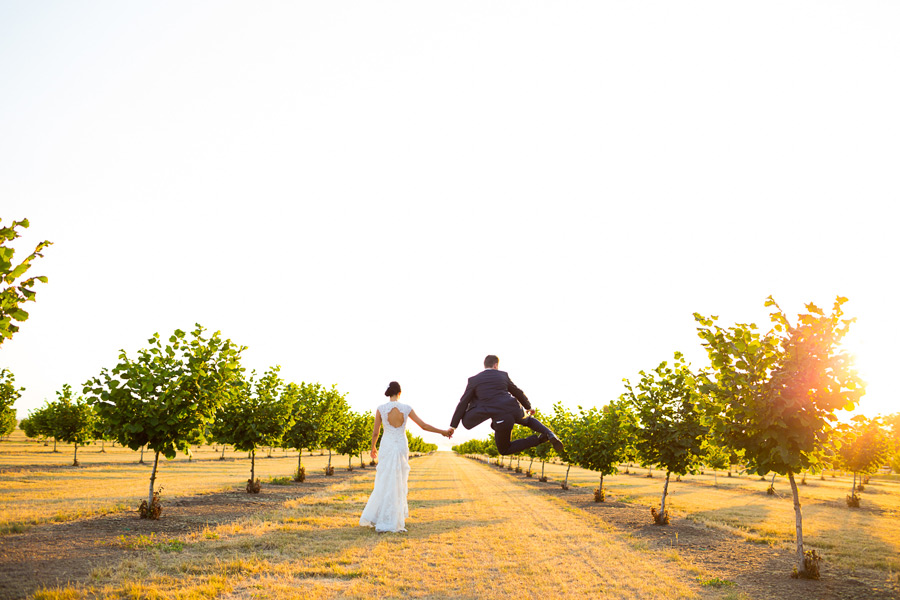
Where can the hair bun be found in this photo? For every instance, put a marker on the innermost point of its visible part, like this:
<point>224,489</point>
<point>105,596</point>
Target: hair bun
<point>393,389</point>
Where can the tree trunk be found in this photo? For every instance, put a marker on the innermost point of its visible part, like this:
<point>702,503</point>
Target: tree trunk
<point>253,465</point>
<point>102,446</point>
<point>650,471</point>
<point>54,444</point>
<point>853,489</point>
<point>329,458</point>
<point>566,482</point>
<point>153,479</point>
<point>531,463</point>
<point>715,479</point>
<point>362,461</point>
<point>772,485</point>
<point>75,462</point>
<point>801,568</point>
<point>601,483</point>
<point>542,469</point>
<point>300,461</point>
<point>140,462</point>
<point>222,456</point>
<point>662,505</point>
<point>349,462</point>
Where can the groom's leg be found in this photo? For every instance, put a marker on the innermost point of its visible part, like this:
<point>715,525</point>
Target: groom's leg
<point>502,432</point>
<point>534,425</point>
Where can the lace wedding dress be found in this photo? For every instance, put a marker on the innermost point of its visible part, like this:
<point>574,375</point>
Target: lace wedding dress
<point>387,509</point>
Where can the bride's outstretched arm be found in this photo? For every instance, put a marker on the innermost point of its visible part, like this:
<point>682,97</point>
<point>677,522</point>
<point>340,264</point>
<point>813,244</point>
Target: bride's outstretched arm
<point>376,429</point>
<point>426,426</point>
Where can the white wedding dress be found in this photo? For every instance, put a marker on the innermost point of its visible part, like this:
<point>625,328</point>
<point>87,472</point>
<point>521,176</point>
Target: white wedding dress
<point>387,509</point>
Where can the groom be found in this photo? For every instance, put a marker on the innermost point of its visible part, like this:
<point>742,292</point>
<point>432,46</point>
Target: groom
<point>492,395</point>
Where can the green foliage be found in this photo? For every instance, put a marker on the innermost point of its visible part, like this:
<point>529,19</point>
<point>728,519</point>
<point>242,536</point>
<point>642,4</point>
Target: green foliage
<point>9,393</point>
<point>358,435</point>
<point>256,413</point>
<point>865,447</point>
<point>166,396</point>
<point>775,394</point>
<point>74,418</point>
<point>562,424</point>
<point>335,420</point>
<point>15,291</point>
<point>600,438</point>
<point>667,428</point>
<point>309,413</point>
<point>40,422</point>
<point>418,445</point>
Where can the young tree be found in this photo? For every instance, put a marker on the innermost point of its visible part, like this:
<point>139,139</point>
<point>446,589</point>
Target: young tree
<point>308,414</point>
<point>14,291</point>
<point>357,438</point>
<point>41,423</point>
<point>334,424</point>
<point>74,420</point>
<point>776,393</point>
<point>9,393</point>
<point>167,395</point>
<point>668,430</point>
<point>864,448</point>
<point>562,424</point>
<point>256,414</point>
<point>602,440</point>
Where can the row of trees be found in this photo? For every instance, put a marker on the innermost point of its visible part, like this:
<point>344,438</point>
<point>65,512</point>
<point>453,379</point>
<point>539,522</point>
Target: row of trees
<point>192,390</point>
<point>768,401</point>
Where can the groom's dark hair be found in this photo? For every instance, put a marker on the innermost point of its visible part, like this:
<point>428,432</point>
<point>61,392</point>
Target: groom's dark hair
<point>491,361</point>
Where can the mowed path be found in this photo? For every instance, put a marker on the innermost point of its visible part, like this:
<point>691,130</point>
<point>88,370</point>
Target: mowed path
<point>474,533</point>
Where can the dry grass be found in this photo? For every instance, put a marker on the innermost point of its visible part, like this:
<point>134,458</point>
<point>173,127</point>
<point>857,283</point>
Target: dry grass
<point>867,538</point>
<point>39,487</point>
<point>473,533</point>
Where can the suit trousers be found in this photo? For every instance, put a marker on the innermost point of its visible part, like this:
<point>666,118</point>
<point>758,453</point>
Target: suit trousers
<point>503,430</point>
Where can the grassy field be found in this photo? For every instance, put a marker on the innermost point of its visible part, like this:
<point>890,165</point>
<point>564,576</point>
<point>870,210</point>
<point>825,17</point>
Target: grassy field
<point>473,533</point>
<point>866,538</point>
<point>40,486</point>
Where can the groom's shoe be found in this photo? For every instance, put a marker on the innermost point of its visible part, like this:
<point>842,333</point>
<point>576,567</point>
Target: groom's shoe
<point>555,441</point>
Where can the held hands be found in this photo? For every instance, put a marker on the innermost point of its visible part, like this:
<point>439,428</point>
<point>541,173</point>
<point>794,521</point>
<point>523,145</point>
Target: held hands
<point>449,432</point>
<point>530,412</point>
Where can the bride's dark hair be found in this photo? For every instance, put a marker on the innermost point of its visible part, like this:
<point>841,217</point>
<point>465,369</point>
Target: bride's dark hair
<point>393,389</point>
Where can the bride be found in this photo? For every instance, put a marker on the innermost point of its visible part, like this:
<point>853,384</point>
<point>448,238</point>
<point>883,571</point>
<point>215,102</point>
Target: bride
<point>387,509</point>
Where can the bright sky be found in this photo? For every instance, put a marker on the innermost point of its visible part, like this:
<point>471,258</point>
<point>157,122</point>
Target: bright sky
<point>373,191</point>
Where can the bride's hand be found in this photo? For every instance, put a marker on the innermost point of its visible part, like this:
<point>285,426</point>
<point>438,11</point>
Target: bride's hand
<point>374,453</point>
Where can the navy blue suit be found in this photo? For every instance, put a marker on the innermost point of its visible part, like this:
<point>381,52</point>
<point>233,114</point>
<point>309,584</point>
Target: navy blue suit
<point>491,394</point>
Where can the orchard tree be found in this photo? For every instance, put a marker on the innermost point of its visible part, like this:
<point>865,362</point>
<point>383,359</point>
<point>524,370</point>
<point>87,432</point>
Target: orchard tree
<point>308,415</point>
<point>602,439</point>
<point>776,393</point>
<point>15,291</point>
<point>41,423</point>
<point>167,395</point>
<point>358,436</point>
<point>9,393</point>
<point>562,424</point>
<point>334,426</point>
<point>864,448</point>
<point>73,420</point>
<point>256,414</point>
<point>668,430</point>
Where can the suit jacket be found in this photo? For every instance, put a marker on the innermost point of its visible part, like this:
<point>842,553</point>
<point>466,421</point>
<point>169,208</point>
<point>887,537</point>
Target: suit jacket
<point>489,394</point>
